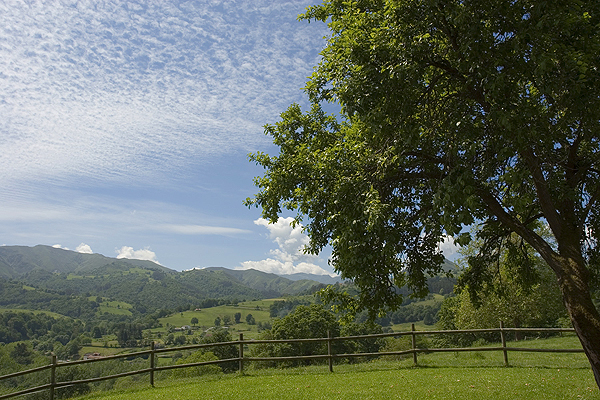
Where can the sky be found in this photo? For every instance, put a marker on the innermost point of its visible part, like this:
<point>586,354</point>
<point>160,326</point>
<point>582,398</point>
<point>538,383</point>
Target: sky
<point>125,127</point>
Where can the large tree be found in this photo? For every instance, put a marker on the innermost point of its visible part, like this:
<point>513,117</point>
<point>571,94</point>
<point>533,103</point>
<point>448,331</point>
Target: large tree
<point>452,112</point>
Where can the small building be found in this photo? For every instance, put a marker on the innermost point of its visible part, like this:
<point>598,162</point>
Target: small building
<point>92,356</point>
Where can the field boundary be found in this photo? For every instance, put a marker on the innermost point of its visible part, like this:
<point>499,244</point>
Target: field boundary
<point>152,353</point>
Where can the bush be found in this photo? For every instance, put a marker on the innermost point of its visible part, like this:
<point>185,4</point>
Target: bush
<point>197,356</point>
<point>304,322</point>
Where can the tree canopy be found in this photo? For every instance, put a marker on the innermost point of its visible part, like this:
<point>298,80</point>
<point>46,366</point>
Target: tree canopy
<point>452,113</point>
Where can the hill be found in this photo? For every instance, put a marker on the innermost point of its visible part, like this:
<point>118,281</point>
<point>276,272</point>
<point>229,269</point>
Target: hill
<point>16,261</point>
<point>50,273</point>
<point>325,279</point>
<point>43,276</point>
<point>271,285</point>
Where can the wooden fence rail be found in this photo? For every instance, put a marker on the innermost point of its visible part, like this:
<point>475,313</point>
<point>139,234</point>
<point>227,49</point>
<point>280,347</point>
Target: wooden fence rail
<point>242,359</point>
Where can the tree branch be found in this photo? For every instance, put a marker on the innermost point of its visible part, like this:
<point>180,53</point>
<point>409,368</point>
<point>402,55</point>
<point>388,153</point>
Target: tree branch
<point>548,208</point>
<point>593,199</point>
<point>535,240</point>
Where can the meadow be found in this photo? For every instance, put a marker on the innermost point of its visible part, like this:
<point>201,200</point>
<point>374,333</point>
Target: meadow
<point>474,375</point>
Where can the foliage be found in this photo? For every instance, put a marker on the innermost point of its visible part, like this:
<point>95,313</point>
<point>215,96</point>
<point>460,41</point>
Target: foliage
<point>281,308</point>
<point>314,321</point>
<point>195,357</point>
<point>305,322</point>
<point>128,334</point>
<point>531,301</point>
<point>220,335</point>
<point>451,113</point>
<point>370,345</point>
<point>13,294</point>
<point>414,312</point>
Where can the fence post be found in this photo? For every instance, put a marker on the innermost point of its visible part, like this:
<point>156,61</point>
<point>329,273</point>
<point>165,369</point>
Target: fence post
<point>329,352</point>
<point>152,364</point>
<point>503,338</point>
<point>52,376</point>
<point>241,353</point>
<point>414,343</point>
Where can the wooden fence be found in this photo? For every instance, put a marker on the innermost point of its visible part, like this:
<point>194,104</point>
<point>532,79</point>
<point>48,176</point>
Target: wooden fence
<point>242,359</point>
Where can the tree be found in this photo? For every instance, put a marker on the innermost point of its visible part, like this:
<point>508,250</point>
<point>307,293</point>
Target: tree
<point>428,319</point>
<point>221,335</point>
<point>237,317</point>
<point>21,353</point>
<point>519,301</point>
<point>250,319</point>
<point>218,321</point>
<point>194,321</point>
<point>451,113</point>
<point>97,332</point>
<point>304,322</point>
<point>195,357</point>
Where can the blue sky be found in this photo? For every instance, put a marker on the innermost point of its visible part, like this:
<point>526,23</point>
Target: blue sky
<point>125,127</point>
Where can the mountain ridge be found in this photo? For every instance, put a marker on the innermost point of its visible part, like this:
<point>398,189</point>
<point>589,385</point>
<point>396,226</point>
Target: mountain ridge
<point>17,261</point>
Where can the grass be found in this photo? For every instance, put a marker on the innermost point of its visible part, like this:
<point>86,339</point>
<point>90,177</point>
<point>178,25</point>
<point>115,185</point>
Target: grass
<point>114,307</point>
<point>474,375</point>
<point>105,351</point>
<point>49,313</point>
<point>437,298</point>
<point>395,383</point>
<point>206,317</point>
<point>419,326</point>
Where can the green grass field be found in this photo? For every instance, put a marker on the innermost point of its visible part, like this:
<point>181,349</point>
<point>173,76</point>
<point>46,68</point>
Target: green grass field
<point>477,375</point>
<point>419,326</point>
<point>114,307</point>
<point>49,313</point>
<point>452,375</point>
<point>206,317</point>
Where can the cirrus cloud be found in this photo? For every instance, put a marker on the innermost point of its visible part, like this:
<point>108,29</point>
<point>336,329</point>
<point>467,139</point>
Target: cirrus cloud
<point>97,92</point>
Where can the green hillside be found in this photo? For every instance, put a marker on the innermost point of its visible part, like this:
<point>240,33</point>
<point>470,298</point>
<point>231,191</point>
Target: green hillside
<point>16,261</point>
<point>71,283</point>
<point>268,284</point>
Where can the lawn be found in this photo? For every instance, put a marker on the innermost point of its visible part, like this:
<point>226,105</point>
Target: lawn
<point>357,382</point>
<point>474,375</point>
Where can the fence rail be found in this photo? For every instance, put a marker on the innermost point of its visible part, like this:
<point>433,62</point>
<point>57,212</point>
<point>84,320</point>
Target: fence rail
<point>241,359</point>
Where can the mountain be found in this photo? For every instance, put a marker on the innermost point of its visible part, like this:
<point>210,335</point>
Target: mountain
<point>271,285</point>
<point>17,261</point>
<point>43,277</point>
<point>49,273</point>
<point>325,279</point>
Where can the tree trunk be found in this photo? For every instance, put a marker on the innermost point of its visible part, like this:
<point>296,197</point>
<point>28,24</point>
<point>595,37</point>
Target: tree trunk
<point>584,315</point>
<point>518,334</point>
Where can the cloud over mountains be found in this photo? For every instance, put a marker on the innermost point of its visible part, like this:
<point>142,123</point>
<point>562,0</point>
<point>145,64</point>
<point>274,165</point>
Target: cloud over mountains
<point>289,257</point>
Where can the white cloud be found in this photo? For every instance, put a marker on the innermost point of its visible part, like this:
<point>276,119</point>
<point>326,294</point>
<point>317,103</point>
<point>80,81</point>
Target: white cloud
<point>84,248</point>
<point>289,258</point>
<point>142,254</point>
<point>449,248</point>
<point>284,268</point>
<point>58,246</point>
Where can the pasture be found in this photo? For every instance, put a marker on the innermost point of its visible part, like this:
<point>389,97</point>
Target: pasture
<point>438,376</point>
